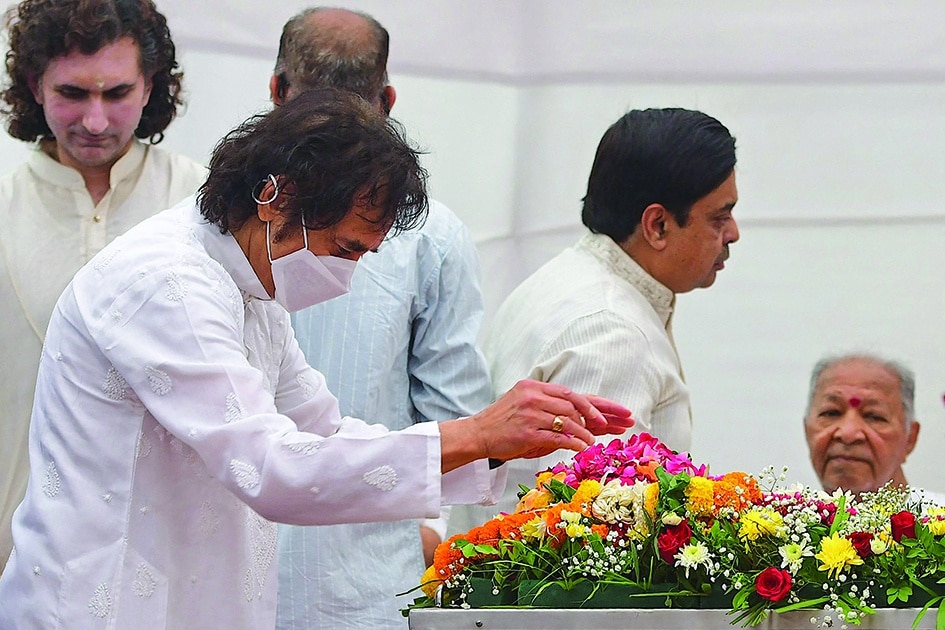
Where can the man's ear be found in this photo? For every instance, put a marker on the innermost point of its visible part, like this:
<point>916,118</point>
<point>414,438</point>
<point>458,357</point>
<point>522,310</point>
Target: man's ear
<point>388,96</point>
<point>33,84</point>
<point>913,437</point>
<point>653,225</point>
<point>278,86</point>
<point>270,193</point>
<point>148,86</point>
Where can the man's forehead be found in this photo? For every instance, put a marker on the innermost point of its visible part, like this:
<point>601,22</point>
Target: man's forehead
<point>119,60</point>
<point>859,397</point>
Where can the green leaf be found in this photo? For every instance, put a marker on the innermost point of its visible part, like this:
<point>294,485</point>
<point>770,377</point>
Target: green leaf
<point>562,492</point>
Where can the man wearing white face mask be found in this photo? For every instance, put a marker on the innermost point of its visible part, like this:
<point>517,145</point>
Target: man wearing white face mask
<point>302,279</point>
<point>175,416</point>
<point>400,348</point>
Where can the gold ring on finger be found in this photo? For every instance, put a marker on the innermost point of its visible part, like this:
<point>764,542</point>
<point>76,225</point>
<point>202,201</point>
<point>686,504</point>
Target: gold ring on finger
<point>557,424</point>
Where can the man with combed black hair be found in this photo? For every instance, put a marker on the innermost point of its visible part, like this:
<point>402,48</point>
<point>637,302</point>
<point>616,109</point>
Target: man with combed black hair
<point>87,82</point>
<point>598,316</point>
<point>401,347</point>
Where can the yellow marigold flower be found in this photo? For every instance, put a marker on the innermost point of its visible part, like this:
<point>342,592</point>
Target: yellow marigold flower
<point>586,493</point>
<point>760,522</point>
<point>429,582</point>
<point>836,554</point>
<point>936,520</point>
<point>700,496</point>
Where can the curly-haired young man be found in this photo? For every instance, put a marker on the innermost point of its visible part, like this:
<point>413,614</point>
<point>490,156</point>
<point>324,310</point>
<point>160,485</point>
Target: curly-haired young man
<point>87,81</point>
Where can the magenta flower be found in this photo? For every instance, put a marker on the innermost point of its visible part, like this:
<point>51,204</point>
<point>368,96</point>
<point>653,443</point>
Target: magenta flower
<point>632,460</point>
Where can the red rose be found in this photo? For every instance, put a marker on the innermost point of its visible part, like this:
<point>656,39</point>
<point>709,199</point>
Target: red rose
<point>672,540</point>
<point>903,525</point>
<point>773,584</point>
<point>861,542</point>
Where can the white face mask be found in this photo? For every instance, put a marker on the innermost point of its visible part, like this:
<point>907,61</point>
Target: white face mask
<point>303,279</point>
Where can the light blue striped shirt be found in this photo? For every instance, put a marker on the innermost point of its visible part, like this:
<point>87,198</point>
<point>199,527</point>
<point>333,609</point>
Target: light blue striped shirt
<point>400,348</point>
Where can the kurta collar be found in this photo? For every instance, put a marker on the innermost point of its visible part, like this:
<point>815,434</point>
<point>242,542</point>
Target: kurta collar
<point>610,254</point>
<point>48,169</point>
<point>225,250</point>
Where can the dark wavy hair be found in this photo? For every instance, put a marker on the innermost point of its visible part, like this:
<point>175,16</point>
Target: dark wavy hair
<point>673,157</point>
<point>42,30</point>
<point>333,148</point>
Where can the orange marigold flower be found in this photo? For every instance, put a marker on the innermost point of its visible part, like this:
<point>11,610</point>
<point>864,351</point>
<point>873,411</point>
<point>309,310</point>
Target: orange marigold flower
<point>445,557</point>
<point>736,490</point>
<point>510,525</point>
<point>601,529</point>
<point>489,532</point>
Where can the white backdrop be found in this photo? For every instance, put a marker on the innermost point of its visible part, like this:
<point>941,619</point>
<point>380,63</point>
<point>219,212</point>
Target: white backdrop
<point>839,113</point>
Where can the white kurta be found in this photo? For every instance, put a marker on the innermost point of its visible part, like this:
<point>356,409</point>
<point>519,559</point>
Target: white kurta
<point>50,229</point>
<point>591,319</point>
<point>174,414</point>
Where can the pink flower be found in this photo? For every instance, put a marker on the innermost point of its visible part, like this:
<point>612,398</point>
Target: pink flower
<point>630,461</point>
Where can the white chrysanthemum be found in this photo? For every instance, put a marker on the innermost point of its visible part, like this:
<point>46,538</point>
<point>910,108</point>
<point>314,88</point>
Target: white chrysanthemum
<point>792,556</point>
<point>693,556</point>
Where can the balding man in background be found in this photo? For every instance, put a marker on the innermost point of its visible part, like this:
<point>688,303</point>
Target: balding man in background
<point>400,349</point>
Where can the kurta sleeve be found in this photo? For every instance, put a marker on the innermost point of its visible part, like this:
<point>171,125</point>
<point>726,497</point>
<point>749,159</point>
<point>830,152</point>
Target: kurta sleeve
<point>175,335</point>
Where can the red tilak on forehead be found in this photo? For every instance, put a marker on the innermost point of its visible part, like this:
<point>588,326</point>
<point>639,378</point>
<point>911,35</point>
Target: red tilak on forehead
<point>855,402</point>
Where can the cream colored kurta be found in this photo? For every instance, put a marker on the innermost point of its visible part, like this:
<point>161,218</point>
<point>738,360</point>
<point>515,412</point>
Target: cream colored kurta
<point>50,229</point>
<point>174,415</point>
<point>593,320</point>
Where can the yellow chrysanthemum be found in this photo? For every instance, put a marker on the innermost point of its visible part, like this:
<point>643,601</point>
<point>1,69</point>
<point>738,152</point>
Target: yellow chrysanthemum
<point>936,522</point>
<point>760,522</point>
<point>837,554</point>
<point>534,529</point>
<point>700,496</point>
<point>429,582</point>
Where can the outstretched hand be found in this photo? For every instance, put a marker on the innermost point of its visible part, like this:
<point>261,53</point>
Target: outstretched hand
<point>530,420</point>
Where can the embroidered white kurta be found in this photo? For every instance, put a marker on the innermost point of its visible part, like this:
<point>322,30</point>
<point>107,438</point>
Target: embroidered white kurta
<point>592,319</point>
<point>175,414</point>
<point>51,228</point>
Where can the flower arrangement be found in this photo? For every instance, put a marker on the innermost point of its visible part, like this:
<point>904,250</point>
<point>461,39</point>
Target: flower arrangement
<point>635,524</point>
